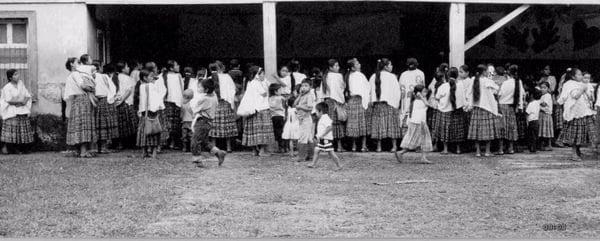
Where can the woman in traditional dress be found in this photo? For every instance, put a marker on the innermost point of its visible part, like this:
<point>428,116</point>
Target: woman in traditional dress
<point>408,80</point>
<point>15,107</point>
<point>333,87</point>
<point>579,129</point>
<point>224,121</point>
<point>124,102</point>
<point>173,85</point>
<point>485,124</point>
<point>360,95</point>
<point>106,114</point>
<point>511,100</point>
<point>385,100</point>
<point>81,124</point>
<point>258,127</point>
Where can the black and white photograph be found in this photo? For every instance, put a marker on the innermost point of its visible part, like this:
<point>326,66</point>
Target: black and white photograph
<point>311,119</point>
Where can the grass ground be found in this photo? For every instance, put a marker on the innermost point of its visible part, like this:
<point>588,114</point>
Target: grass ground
<point>119,195</point>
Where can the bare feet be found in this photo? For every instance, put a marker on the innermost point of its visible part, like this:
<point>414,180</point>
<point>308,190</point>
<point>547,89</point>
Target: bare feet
<point>399,156</point>
<point>221,157</point>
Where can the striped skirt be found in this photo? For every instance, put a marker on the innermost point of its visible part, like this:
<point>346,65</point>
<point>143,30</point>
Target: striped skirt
<point>164,135</point>
<point>17,130</point>
<point>356,126</point>
<point>385,122</point>
<point>579,132</point>
<point>81,125</point>
<point>522,125</point>
<point>143,140</point>
<point>557,117</point>
<point>172,119</point>
<point>442,126</point>
<point>546,129</point>
<point>432,122</point>
<point>338,127</point>
<point>484,126</point>
<point>509,123</point>
<point>224,125</point>
<point>258,129</point>
<point>128,120</point>
<point>106,120</point>
<point>458,126</point>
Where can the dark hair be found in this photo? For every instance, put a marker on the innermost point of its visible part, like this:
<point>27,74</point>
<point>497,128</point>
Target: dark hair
<point>351,64</point>
<point>440,76</point>
<point>513,71</point>
<point>118,69</point>
<point>136,92</point>
<point>381,63</point>
<point>330,64</point>
<point>290,101</point>
<point>273,88</point>
<point>253,72</point>
<point>97,64</point>
<point>316,77</point>
<point>476,90</point>
<point>150,66</point>
<point>465,68</point>
<point>84,58</point>
<point>452,75</point>
<point>69,62</point>
<point>294,66</point>
<point>234,63</point>
<point>417,89</point>
<point>545,83</point>
<point>10,73</point>
<point>412,63</point>
<point>170,65</point>
<point>143,74</point>
<point>536,95</point>
<point>322,107</point>
<point>570,74</point>
<point>500,70</point>
<point>209,85</point>
<point>444,67</point>
<point>108,69</point>
<point>188,73</point>
<point>214,70</point>
<point>306,81</point>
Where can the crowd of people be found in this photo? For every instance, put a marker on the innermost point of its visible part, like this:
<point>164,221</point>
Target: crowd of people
<point>110,106</point>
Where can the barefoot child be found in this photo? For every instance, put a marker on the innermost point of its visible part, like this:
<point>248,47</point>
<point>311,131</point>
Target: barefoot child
<point>533,120</point>
<point>304,106</point>
<point>324,138</point>
<point>418,135</point>
<point>204,106</point>
<point>546,127</point>
<point>187,116</point>
<point>292,126</point>
<point>149,99</point>
<point>276,105</point>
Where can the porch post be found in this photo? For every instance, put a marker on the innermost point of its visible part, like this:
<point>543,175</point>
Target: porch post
<point>457,34</point>
<point>270,37</point>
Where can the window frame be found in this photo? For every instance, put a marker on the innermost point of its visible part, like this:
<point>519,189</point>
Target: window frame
<point>31,45</point>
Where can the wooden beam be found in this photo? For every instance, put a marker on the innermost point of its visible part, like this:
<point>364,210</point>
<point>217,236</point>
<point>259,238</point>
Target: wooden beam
<point>496,26</point>
<point>457,34</point>
<point>221,2</point>
<point>270,37</point>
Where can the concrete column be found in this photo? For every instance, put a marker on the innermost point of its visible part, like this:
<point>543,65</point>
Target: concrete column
<point>270,37</point>
<point>457,34</point>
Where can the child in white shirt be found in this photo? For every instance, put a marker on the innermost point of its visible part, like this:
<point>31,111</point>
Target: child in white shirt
<point>533,116</point>
<point>324,138</point>
<point>418,135</point>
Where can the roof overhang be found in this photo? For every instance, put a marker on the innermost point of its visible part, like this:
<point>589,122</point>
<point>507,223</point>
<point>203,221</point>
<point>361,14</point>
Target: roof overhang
<point>199,2</point>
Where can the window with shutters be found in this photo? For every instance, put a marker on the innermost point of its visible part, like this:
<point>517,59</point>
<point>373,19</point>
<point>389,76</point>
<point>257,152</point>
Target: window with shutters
<point>15,49</point>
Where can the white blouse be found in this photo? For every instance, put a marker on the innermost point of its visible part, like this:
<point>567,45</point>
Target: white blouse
<point>155,97</point>
<point>547,98</point>
<point>126,86</point>
<point>487,101</point>
<point>419,112</point>
<point>73,85</point>
<point>460,94</point>
<point>598,97</point>
<point>359,85</point>
<point>408,80</point>
<point>105,88</point>
<point>507,93</point>
<point>255,90</point>
<point>574,108</point>
<point>443,98</point>
<point>11,92</point>
<point>390,89</point>
<point>335,87</point>
<point>227,89</point>
<point>175,89</point>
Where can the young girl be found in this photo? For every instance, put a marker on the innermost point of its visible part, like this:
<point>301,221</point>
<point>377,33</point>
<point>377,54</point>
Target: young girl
<point>324,137</point>
<point>204,107</point>
<point>485,124</point>
<point>284,79</point>
<point>277,106</point>
<point>446,97</point>
<point>579,129</point>
<point>15,107</point>
<point>292,127</point>
<point>149,99</point>
<point>106,113</point>
<point>358,87</point>
<point>418,132</point>
<point>304,106</point>
<point>224,122</point>
<point>173,87</point>
<point>385,101</point>
<point>296,77</point>
<point>511,100</point>
<point>124,102</point>
<point>546,128</point>
<point>189,79</point>
<point>433,112</point>
<point>258,128</point>
<point>333,87</point>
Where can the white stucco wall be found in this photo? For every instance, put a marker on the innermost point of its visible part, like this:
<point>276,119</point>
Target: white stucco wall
<point>63,30</point>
